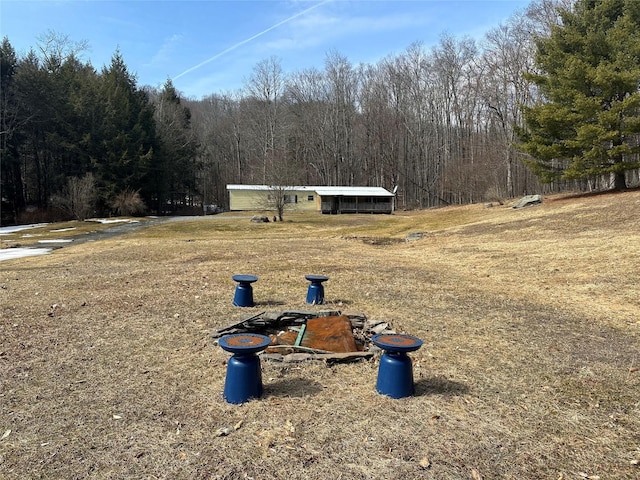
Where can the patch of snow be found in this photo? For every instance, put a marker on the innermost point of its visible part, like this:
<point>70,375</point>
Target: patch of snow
<point>56,240</point>
<point>112,220</point>
<point>17,228</point>
<point>10,253</point>
<point>63,230</point>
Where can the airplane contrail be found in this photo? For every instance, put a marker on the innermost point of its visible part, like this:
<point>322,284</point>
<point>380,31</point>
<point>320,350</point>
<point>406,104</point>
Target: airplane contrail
<point>239,44</point>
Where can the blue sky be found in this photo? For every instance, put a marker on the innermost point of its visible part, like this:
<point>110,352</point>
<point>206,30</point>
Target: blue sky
<point>212,46</point>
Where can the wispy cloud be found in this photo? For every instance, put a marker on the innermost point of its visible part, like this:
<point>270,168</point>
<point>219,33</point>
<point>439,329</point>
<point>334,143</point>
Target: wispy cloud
<point>250,39</point>
<point>326,28</point>
<point>166,51</point>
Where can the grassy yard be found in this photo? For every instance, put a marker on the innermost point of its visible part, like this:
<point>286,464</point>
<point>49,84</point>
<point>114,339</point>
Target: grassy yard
<point>529,368</point>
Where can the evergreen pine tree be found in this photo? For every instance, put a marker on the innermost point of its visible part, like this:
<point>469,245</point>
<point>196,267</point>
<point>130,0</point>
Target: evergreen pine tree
<point>588,122</point>
<point>175,165</point>
<point>10,174</point>
<point>127,133</point>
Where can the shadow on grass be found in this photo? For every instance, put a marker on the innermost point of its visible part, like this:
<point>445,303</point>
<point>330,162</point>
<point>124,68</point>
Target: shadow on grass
<point>292,387</point>
<point>270,303</point>
<point>440,386</point>
<point>337,302</point>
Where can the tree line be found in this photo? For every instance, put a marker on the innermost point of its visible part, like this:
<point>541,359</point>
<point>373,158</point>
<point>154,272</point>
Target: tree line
<point>544,103</point>
<point>84,141</point>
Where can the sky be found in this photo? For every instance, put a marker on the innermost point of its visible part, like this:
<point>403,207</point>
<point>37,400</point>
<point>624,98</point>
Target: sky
<point>213,46</point>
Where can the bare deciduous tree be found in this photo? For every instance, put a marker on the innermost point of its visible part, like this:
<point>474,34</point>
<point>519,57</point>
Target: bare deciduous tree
<point>77,197</point>
<point>266,87</point>
<point>342,85</point>
<point>56,48</point>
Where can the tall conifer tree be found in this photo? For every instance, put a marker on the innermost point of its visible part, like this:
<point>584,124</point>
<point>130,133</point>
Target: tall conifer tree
<point>128,133</point>
<point>10,174</point>
<point>587,124</point>
<point>175,164</point>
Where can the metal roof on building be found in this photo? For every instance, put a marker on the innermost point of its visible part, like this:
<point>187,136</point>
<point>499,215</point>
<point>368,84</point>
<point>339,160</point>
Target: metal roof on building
<point>352,192</point>
<point>269,187</point>
<point>334,191</point>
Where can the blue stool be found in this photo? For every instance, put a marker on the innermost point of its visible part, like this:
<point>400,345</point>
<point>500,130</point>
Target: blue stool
<point>395,374</point>
<point>244,376</point>
<point>315,293</point>
<point>244,292</point>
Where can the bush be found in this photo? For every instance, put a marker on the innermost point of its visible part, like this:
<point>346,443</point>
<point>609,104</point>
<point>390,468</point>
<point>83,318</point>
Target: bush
<point>493,194</point>
<point>128,202</point>
<point>77,197</point>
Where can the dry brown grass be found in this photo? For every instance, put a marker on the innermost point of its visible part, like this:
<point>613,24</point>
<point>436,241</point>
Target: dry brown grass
<point>529,368</point>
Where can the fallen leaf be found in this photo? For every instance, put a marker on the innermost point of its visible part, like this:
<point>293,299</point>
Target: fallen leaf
<point>223,432</point>
<point>587,476</point>
<point>633,369</point>
<point>476,475</point>
<point>117,417</point>
<point>237,425</point>
<point>5,434</point>
<point>425,462</point>
<point>290,427</point>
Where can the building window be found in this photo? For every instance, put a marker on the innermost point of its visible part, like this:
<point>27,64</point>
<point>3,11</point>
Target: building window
<point>310,198</point>
<point>291,199</point>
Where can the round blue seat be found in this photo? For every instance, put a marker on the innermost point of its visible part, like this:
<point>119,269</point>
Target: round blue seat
<point>243,380</point>
<point>395,373</point>
<point>243,296</point>
<point>315,292</point>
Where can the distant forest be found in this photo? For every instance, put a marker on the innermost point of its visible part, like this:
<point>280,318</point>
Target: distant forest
<point>445,125</point>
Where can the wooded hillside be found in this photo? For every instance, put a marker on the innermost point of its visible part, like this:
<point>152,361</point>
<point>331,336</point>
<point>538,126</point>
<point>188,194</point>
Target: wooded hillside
<point>443,124</point>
